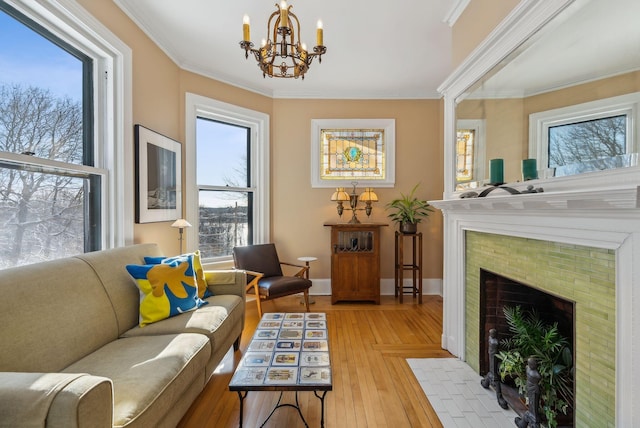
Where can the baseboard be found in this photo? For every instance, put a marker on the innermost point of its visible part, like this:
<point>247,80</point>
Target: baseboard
<point>430,286</point>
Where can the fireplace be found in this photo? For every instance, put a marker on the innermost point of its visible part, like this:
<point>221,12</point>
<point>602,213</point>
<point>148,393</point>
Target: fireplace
<point>579,244</point>
<point>498,292</point>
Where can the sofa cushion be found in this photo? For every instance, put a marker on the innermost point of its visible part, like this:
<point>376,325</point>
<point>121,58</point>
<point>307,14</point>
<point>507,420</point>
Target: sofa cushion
<point>51,314</point>
<point>215,320</point>
<point>198,270</point>
<point>148,373</point>
<point>166,289</point>
<point>124,296</point>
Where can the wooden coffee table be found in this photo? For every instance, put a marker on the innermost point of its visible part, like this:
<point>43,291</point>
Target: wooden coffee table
<point>288,352</point>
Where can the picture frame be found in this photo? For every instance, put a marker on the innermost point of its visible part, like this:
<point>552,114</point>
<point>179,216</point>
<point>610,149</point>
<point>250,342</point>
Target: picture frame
<point>344,151</point>
<point>158,176</point>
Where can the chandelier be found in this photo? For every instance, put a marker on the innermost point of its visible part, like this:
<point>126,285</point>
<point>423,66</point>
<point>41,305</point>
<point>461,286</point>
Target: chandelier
<point>282,54</point>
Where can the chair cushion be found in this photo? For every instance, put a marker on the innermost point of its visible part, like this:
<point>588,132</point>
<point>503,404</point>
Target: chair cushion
<point>275,286</point>
<point>261,258</point>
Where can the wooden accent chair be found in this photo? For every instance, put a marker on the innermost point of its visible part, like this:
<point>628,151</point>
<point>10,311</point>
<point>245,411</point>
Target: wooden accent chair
<point>264,272</point>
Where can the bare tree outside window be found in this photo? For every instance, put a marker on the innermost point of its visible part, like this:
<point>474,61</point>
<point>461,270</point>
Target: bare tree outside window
<point>41,212</point>
<point>587,141</point>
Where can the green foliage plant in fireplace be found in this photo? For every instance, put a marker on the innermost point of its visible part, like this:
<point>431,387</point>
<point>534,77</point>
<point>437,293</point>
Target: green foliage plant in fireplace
<point>531,336</point>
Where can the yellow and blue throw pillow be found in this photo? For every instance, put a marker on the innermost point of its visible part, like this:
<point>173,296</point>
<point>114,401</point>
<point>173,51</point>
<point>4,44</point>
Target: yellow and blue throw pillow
<point>203,291</point>
<point>166,289</point>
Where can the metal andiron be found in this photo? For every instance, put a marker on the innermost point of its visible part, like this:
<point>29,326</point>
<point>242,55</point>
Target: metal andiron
<point>492,378</point>
<point>530,418</point>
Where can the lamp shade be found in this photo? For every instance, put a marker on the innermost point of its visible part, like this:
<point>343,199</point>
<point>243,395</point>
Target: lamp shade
<point>181,223</point>
<point>340,195</point>
<point>369,195</point>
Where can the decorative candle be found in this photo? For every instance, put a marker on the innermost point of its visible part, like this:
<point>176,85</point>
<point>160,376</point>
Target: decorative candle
<point>284,14</point>
<point>529,169</point>
<point>319,35</point>
<point>246,32</point>
<point>497,171</point>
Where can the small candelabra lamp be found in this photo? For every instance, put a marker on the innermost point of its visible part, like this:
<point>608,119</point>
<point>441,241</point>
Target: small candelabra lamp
<point>181,224</point>
<point>368,197</point>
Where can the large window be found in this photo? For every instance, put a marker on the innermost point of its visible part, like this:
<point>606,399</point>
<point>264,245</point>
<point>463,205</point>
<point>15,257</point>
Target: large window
<point>57,173</point>
<point>587,137</point>
<point>225,196</point>
<point>228,191</point>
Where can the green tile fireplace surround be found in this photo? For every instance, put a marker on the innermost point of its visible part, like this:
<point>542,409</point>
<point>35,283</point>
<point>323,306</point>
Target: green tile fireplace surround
<point>581,274</point>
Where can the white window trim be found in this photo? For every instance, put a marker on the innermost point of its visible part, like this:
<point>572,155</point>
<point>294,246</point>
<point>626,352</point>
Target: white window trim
<point>539,123</point>
<point>479,147</point>
<point>258,123</point>
<point>112,109</point>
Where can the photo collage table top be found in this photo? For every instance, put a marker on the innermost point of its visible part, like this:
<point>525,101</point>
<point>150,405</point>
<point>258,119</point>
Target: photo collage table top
<point>287,349</point>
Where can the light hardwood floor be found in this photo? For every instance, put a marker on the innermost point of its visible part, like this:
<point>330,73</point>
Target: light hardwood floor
<point>372,384</point>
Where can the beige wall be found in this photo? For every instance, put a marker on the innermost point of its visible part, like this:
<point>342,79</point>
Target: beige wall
<point>505,132</point>
<point>474,24</point>
<point>298,211</point>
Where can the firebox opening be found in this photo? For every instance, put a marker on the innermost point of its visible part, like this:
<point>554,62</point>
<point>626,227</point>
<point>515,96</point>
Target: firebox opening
<point>497,291</point>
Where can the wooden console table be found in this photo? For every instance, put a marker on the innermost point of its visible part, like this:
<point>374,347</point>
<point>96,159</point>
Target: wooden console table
<point>415,265</point>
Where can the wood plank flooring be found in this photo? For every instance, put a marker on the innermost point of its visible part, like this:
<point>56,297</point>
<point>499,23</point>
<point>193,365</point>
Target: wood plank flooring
<point>372,384</point>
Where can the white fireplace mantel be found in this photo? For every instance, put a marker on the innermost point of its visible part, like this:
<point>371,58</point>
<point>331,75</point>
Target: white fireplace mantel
<point>499,199</point>
<point>602,218</point>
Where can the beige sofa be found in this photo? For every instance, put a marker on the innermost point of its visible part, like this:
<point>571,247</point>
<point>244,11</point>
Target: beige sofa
<point>72,354</point>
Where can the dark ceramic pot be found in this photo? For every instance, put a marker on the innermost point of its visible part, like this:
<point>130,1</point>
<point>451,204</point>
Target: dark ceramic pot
<point>408,227</point>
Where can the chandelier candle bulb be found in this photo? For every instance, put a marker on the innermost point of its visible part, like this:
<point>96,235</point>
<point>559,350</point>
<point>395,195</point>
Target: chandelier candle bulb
<point>319,35</point>
<point>284,14</point>
<point>246,32</point>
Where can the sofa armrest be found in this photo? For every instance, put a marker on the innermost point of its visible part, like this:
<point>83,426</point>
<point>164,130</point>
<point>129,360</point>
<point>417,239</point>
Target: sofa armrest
<point>231,281</point>
<point>55,400</point>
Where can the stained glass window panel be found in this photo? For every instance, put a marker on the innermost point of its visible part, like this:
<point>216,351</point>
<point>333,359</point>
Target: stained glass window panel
<point>352,153</point>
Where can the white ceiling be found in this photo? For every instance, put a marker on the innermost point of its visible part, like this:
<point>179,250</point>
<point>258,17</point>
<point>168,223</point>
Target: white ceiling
<point>375,48</point>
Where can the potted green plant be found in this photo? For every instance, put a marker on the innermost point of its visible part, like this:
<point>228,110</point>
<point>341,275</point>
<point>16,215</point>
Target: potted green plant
<point>533,337</point>
<point>408,211</point>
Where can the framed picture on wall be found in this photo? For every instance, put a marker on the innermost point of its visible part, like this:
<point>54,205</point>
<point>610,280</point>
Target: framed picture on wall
<point>344,151</point>
<point>158,177</point>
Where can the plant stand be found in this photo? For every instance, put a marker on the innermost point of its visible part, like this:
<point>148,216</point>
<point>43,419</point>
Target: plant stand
<point>415,266</point>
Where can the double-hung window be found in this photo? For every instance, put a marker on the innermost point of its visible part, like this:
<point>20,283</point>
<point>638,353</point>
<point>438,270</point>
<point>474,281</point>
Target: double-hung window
<point>57,160</point>
<point>227,201</point>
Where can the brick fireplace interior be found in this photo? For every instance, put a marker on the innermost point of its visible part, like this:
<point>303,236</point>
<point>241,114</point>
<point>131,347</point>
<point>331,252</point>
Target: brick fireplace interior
<point>497,291</point>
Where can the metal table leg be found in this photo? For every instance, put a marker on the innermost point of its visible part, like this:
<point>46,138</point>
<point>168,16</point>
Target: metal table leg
<point>242,397</point>
<point>321,397</point>
<point>278,405</point>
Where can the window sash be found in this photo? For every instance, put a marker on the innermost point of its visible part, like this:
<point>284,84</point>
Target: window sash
<point>199,106</point>
<point>111,78</point>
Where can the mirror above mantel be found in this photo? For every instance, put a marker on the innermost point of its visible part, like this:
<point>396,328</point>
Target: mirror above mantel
<point>551,72</point>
